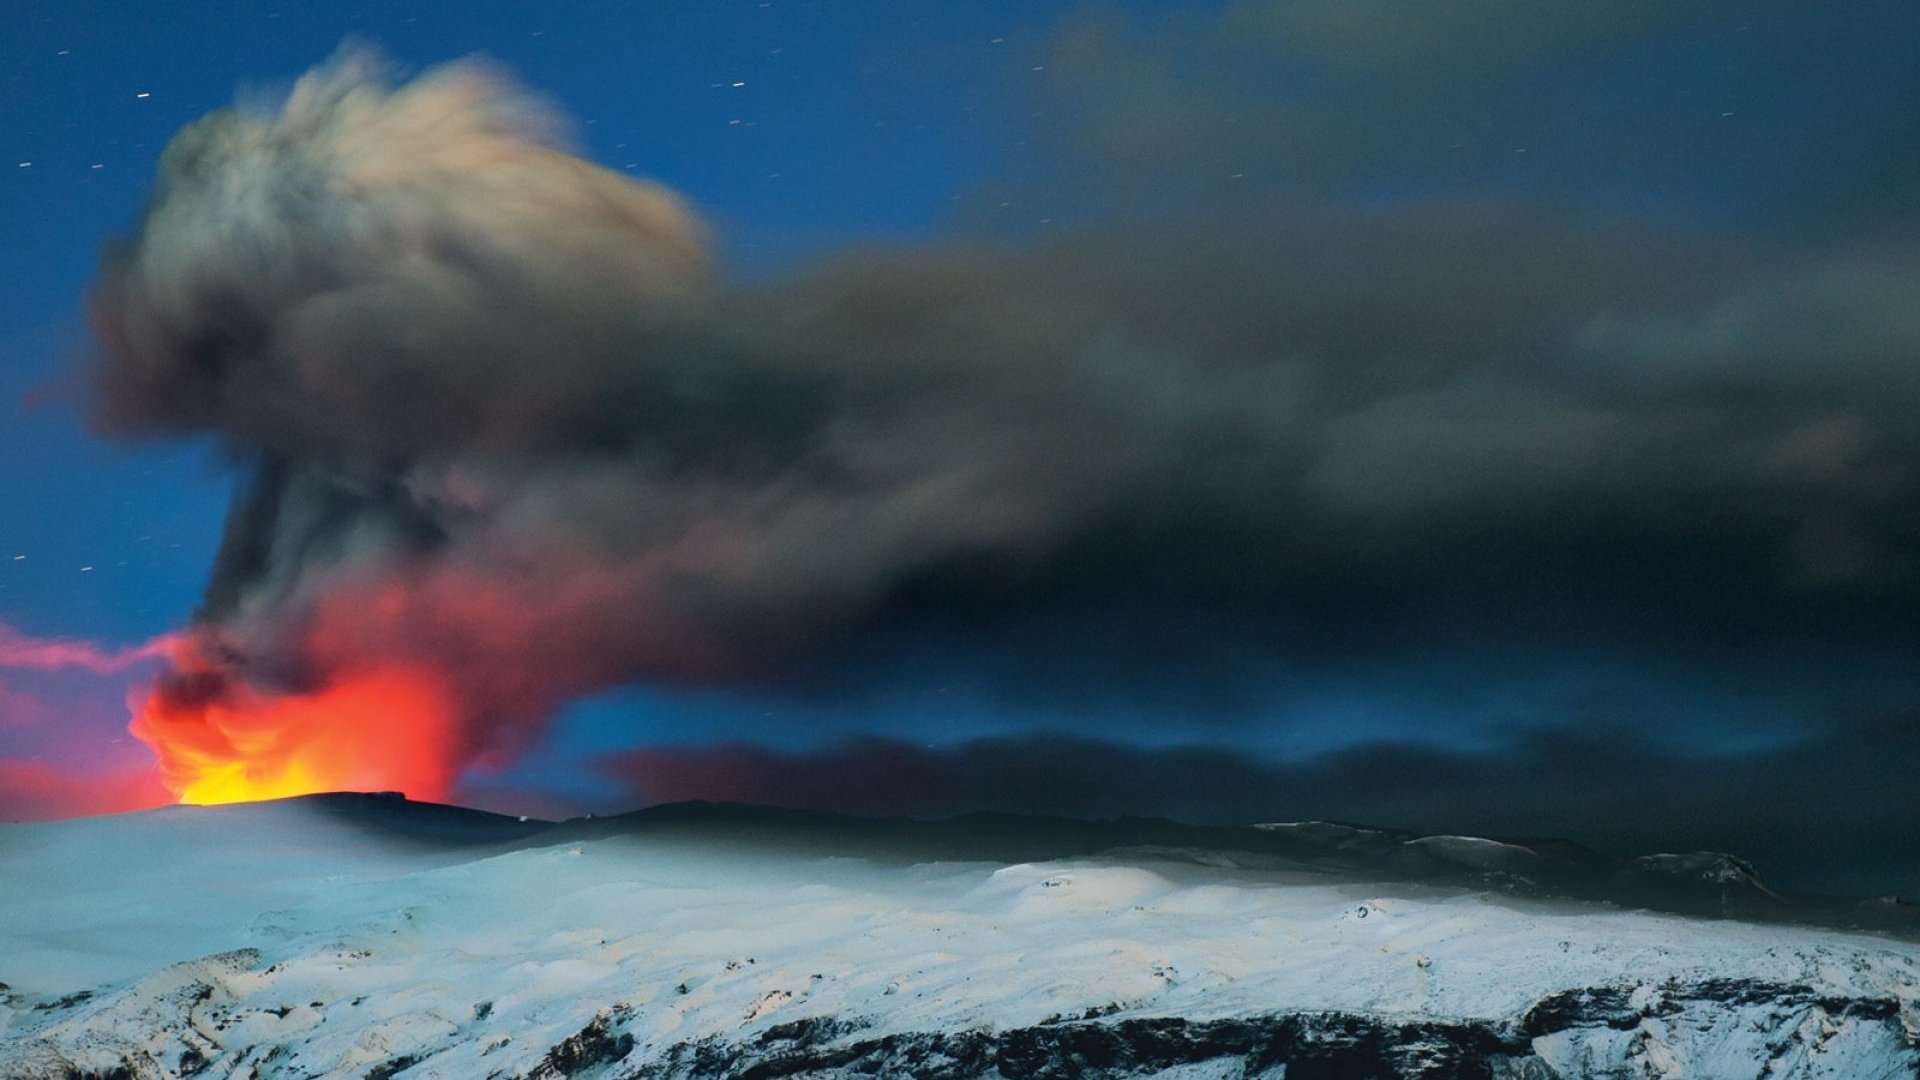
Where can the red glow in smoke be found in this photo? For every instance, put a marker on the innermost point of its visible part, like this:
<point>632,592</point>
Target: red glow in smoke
<point>426,670</point>
<point>383,729</point>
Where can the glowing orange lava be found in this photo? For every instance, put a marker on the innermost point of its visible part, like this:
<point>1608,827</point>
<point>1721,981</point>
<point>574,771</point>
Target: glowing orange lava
<point>390,729</point>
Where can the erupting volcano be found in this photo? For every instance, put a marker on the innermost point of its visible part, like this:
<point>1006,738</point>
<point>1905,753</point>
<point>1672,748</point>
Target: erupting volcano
<point>391,728</point>
<point>1470,475</point>
<point>1331,538</point>
<point>408,410</point>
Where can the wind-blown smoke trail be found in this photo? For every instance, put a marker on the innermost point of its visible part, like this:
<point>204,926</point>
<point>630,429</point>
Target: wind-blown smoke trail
<point>18,650</point>
<point>510,441</point>
<point>32,789</point>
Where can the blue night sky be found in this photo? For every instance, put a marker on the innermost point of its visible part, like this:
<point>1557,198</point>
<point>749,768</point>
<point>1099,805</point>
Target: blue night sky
<point>1514,427</point>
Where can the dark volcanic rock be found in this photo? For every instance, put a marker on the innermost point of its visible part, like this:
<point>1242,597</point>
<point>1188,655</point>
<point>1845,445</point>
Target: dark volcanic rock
<point>599,1043</point>
<point>1710,1029</point>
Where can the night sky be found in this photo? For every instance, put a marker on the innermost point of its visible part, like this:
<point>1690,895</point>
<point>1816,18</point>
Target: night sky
<point>1472,416</point>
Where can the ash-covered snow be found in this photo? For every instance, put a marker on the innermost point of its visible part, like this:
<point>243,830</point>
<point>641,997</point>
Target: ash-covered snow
<point>357,937</point>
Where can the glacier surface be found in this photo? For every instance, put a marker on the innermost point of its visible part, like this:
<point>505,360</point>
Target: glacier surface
<point>349,936</point>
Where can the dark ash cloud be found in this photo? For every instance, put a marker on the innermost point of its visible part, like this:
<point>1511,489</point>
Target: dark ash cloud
<point>1755,116</point>
<point>1428,44</point>
<point>507,426</point>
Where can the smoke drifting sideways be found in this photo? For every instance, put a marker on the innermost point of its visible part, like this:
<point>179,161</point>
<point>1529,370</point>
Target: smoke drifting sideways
<point>512,439</point>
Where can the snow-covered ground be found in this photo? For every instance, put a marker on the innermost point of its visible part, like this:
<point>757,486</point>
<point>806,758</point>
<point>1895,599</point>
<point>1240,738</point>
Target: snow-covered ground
<point>301,939</point>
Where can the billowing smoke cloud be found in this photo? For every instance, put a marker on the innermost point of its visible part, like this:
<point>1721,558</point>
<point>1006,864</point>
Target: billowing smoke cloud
<point>512,440</point>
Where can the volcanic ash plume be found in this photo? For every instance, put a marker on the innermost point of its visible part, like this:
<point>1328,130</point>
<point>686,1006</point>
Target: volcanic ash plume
<point>419,325</point>
<point>508,442</point>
